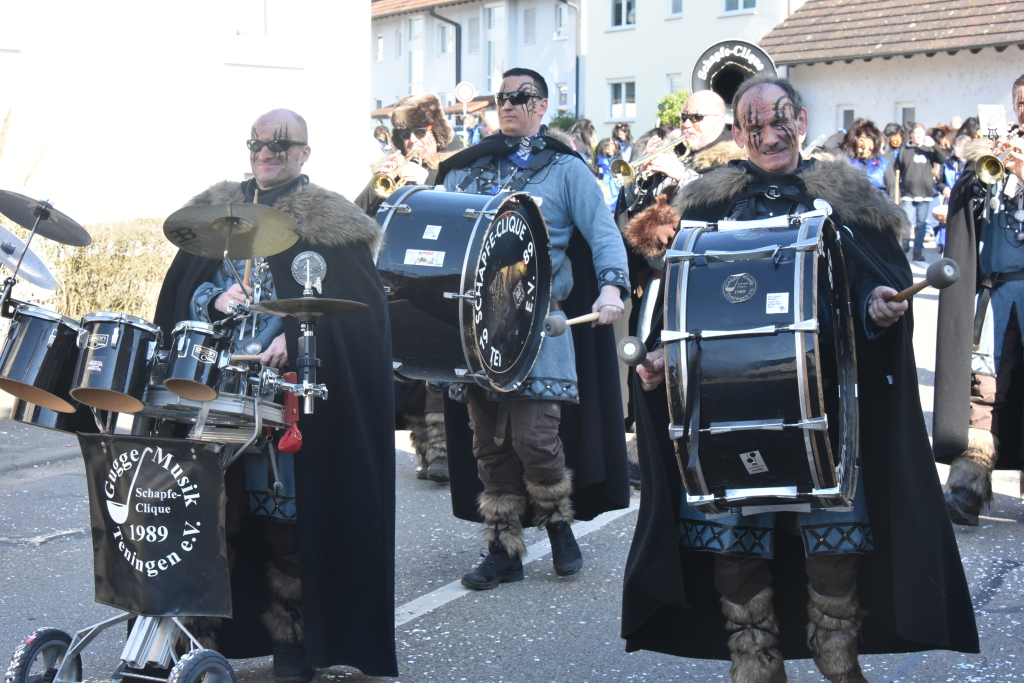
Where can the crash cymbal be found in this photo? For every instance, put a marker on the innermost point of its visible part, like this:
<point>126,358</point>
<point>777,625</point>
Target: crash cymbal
<point>32,269</point>
<point>257,231</point>
<point>54,225</point>
<point>308,307</point>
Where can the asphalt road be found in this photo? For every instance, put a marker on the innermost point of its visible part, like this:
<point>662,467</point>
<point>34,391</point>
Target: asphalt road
<point>545,628</point>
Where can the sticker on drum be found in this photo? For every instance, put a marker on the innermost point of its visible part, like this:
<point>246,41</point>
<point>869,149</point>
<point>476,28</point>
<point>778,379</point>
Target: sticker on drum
<point>739,288</point>
<point>419,257</point>
<point>97,341</point>
<point>204,354</point>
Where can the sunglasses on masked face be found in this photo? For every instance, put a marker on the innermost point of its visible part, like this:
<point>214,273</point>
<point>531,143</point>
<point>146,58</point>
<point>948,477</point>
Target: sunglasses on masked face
<point>275,146</point>
<point>404,133</point>
<point>516,98</point>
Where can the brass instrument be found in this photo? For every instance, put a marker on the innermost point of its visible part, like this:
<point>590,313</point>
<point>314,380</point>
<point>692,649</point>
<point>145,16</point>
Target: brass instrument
<point>383,184</point>
<point>989,167</point>
<point>625,172</point>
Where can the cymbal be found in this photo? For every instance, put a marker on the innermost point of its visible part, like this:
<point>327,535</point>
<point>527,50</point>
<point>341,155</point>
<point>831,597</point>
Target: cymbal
<point>54,225</point>
<point>257,231</point>
<point>309,307</point>
<point>32,269</point>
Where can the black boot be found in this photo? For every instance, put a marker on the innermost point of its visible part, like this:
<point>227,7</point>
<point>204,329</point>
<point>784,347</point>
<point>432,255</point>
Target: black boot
<point>290,663</point>
<point>969,485</point>
<point>565,552</point>
<point>497,567</point>
<point>963,507</point>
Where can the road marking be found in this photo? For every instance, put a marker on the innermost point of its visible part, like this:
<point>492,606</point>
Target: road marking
<point>425,604</point>
<point>38,540</point>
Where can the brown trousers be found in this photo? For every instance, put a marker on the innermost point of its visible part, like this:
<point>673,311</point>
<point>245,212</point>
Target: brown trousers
<point>739,579</point>
<point>532,448</point>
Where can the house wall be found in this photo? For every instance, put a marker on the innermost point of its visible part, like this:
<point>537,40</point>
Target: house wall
<point>121,109</point>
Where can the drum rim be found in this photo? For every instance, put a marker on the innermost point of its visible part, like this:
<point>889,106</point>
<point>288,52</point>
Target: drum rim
<point>36,311</point>
<point>114,317</point>
<point>194,326</point>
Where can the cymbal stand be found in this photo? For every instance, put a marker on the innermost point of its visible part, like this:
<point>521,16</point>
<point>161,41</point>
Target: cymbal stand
<point>306,363</point>
<point>42,213</point>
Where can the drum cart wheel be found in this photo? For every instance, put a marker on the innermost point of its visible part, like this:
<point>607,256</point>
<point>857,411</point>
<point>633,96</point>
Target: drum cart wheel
<point>39,657</point>
<point>202,666</point>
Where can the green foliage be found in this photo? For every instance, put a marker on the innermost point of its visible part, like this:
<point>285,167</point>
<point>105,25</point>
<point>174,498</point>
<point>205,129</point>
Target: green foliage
<point>562,121</point>
<point>670,106</point>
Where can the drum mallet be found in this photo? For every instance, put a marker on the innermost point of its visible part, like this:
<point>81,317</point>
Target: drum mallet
<point>939,275</point>
<point>632,352</point>
<point>555,325</point>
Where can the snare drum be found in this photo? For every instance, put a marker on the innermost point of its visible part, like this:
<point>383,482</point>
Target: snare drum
<point>38,361</point>
<point>115,357</point>
<point>760,362</point>
<point>468,281</point>
<point>193,370</point>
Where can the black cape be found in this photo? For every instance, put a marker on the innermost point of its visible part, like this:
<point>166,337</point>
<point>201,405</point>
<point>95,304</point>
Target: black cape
<point>912,585</point>
<point>955,340</point>
<point>592,432</point>
<point>345,472</point>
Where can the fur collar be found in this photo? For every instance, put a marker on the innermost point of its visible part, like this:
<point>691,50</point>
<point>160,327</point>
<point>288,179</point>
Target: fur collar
<point>847,189</point>
<point>717,155</point>
<point>325,218</point>
<point>976,149</point>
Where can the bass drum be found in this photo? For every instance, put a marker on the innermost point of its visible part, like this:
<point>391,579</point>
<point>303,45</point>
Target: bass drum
<point>468,281</point>
<point>760,364</point>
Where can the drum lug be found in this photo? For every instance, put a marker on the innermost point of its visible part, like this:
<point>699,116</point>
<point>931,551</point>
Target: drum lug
<point>473,213</point>
<point>673,255</point>
<point>403,209</point>
<point>818,424</point>
<point>395,365</point>
<point>455,295</point>
<point>82,336</point>
<point>115,336</point>
<point>151,351</point>
<point>675,432</point>
<point>461,372</point>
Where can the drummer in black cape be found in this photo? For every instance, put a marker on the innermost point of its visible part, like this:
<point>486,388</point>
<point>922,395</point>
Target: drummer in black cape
<point>542,462</point>
<point>892,566</point>
<point>322,584</point>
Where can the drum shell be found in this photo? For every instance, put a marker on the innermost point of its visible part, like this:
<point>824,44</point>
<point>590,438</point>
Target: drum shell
<point>35,369</point>
<point>432,306</point>
<point>81,420</point>
<point>192,369</point>
<point>113,376</point>
<point>766,377</point>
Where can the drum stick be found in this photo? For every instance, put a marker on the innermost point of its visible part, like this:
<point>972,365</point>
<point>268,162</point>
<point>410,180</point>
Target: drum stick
<point>247,278</point>
<point>555,325</point>
<point>632,352</point>
<point>940,275</point>
<point>242,356</point>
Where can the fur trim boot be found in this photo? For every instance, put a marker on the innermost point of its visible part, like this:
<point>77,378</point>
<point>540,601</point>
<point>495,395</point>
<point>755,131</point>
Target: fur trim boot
<point>428,438</point>
<point>502,513</point>
<point>754,640</point>
<point>284,623</point>
<point>553,510</point>
<point>833,633</point>
<point>969,485</point>
<point>202,629</point>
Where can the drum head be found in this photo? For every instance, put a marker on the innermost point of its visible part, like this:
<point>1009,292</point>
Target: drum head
<point>187,388</point>
<point>105,399</point>
<point>34,395</point>
<point>511,280</point>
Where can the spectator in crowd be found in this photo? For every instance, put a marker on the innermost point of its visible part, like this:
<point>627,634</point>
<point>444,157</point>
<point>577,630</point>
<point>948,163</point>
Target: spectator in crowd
<point>584,138</point>
<point>894,139</point>
<point>971,128</point>
<point>474,129</point>
<point>383,138</point>
<point>917,183</point>
<point>622,135</point>
<point>608,151</point>
<point>952,128</point>
<point>863,147</point>
<point>938,133</point>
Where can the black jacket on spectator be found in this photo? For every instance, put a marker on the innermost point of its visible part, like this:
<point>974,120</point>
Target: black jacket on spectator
<point>915,167</point>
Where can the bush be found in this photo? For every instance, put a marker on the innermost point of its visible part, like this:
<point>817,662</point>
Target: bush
<point>563,121</point>
<point>122,270</point>
<point>670,106</point>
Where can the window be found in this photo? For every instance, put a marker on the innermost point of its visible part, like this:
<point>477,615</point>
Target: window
<point>495,62</point>
<point>415,71</point>
<point>907,114</point>
<point>563,94</point>
<point>675,82</point>
<point>675,8</point>
<point>474,37</point>
<point>623,12</point>
<point>398,43</point>
<point>447,99</point>
<point>844,116</point>
<point>378,48</point>
<point>561,22</point>
<point>623,100</point>
<point>529,26</point>
<point>446,39</point>
<point>379,104</point>
<point>415,29</point>
<point>740,5</point>
<point>496,17</point>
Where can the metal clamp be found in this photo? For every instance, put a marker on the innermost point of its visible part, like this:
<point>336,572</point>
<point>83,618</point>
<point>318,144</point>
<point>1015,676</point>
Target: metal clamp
<point>809,325</point>
<point>473,213</point>
<point>403,209</point>
<point>471,294</point>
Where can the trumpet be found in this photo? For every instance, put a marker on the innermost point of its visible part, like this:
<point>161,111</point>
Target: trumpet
<point>625,172</point>
<point>989,167</point>
<point>383,184</point>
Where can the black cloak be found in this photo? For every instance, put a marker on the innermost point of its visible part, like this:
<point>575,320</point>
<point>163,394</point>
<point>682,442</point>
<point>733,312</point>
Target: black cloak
<point>592,432</point>
<point>345,472</point>
<point>955,337</point>
<point>912,584</point>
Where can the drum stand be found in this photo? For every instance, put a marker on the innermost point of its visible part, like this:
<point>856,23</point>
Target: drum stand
<point>42,213</point>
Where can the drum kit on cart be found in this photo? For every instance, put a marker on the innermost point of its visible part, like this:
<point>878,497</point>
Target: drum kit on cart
<point>198,400</point>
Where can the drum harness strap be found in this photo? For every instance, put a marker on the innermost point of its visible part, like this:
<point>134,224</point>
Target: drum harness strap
<point>516,182</point>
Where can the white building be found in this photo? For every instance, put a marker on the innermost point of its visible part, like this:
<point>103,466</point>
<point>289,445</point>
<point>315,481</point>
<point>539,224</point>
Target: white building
<point>115,109</point>
<point>899,62</point>
<point>641,50</point>
<point>430,45</point>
